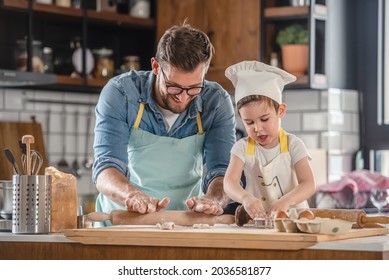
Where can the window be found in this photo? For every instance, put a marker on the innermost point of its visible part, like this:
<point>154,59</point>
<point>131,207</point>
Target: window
<point>385,94</point>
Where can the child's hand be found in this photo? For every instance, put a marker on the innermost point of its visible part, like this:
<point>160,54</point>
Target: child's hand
<point>253,207</point>
<point>278,206</point>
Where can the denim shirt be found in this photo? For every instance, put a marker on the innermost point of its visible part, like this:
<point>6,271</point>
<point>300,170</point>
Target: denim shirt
<point>117,109</point>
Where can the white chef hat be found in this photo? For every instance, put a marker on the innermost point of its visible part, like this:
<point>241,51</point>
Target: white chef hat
<point>257,78</point>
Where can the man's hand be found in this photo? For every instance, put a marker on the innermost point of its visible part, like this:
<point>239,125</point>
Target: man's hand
<point>139,202</point>
<point>213,202</point>
<point>204,205</point>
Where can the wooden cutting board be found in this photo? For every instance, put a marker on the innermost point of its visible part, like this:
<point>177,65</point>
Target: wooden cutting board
<point>219,236</point>
<point>10,134</point>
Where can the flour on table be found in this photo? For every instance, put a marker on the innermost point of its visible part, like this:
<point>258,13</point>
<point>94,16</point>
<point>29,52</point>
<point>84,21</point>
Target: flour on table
<point>166,225</point>
<point>201,226</point>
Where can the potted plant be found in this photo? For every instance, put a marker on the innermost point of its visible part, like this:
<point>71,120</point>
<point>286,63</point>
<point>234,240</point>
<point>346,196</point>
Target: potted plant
<point>293,41</point>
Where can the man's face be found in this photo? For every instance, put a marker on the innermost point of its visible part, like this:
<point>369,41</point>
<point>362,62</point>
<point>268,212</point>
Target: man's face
<point>176,89</point>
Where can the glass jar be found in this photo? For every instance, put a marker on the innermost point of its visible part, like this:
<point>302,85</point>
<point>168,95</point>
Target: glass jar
<point>104,67</point>
<point>47,58</point>
<point>64,3</point>
<point>21,56</point>
<point>140,8</point>
<point>131,62</point>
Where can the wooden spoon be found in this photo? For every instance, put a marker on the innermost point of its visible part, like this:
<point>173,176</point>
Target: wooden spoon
<point>28,140</point>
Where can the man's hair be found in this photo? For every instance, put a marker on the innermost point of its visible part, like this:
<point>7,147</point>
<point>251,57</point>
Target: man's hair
<point>259,98</point>
<point>184,47</point>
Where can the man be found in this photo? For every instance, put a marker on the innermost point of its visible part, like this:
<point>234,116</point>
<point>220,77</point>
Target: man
<point>155,130</point>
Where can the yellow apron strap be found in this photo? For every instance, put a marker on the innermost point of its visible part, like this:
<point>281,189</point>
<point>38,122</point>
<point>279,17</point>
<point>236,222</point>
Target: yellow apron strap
<point>250,149</point>
<point>139,116</point>
<point>283,141</point>
<point>199,124</point>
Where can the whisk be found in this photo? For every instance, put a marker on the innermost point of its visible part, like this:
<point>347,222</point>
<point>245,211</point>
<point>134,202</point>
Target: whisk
<point>36,160</point>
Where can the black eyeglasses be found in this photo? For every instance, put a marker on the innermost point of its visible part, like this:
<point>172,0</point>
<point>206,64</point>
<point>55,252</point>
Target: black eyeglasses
<point>176,90</point>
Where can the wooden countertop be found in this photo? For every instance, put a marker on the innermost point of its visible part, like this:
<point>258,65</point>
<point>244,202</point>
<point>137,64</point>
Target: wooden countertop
<point>57,246</point>
<point>218,236</point>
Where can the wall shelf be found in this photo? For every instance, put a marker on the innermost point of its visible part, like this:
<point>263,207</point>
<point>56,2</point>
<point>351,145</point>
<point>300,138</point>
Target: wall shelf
<point>56,26</point>
<point>278,14</point>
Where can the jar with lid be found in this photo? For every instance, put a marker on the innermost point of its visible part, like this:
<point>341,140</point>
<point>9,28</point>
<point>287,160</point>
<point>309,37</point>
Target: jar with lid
<point>131,62</point>
<point>104,67</point>
<point>21,56</point>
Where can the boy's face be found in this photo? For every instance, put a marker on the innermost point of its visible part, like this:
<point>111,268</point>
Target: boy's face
<point>262,122</point>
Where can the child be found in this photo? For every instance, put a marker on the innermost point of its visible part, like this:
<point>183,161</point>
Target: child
<point>275,163</point>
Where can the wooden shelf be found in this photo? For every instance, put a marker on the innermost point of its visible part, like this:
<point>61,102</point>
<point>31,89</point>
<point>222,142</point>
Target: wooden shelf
<point>120,19</point>
<point>278,12</point>
<point>293,12</point>
<point>313,17</point>
<point>97,82</point>
<point>103,17</point>
<point>96,27</point>
<point>67,80</point>
<point>71,81</point>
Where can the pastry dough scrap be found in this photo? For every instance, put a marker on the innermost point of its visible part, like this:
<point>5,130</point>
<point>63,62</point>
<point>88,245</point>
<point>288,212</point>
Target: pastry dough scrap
<point>201,226</point>
<point>166,225</point>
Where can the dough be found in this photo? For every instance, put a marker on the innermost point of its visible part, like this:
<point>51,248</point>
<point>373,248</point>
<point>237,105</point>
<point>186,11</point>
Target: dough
<point>201,226</point>
<point>166,225</point>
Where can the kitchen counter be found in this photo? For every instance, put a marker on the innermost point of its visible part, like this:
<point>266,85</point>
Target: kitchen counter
<point>57,246</point>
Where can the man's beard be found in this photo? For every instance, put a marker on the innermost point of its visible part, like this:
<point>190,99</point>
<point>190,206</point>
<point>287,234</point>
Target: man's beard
<point>174,108</point>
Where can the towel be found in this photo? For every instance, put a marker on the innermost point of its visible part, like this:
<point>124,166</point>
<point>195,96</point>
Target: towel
<point>359,183</point>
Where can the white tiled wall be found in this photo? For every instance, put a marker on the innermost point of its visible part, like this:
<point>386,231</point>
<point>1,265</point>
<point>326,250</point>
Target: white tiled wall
<point>57,112</point>
<point>326,119</point>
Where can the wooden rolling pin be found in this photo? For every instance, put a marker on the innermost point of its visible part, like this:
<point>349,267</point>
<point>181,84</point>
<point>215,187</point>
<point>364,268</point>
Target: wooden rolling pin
<point>181,218</point>
<point>357,216</point>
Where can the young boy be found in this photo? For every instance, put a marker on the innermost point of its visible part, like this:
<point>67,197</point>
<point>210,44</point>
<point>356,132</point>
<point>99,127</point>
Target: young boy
<point>275,163</point>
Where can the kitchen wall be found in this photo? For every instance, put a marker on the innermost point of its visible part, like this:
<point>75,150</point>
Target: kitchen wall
<point>329,120</point>
<point>324,119</point>
<point>57,112</point>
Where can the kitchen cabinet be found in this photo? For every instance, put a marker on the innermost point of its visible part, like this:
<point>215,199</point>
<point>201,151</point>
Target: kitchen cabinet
<point>276,15</point>
<point>233,28</point>
<point>57,26</point>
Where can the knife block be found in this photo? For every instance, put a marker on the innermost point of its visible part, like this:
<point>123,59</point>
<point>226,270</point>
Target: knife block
<point>63,200</point>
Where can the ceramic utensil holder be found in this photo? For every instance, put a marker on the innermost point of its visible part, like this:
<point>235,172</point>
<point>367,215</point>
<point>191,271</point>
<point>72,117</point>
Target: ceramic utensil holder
<point>31,207</point>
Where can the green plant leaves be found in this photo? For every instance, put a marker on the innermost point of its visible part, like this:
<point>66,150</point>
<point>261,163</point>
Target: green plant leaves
<point>293,34</point>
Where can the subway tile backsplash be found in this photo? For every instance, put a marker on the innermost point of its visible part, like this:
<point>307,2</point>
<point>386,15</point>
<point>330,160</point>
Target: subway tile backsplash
<point>326,119</point>
<point>60,114</point>
<point>302,100</point>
